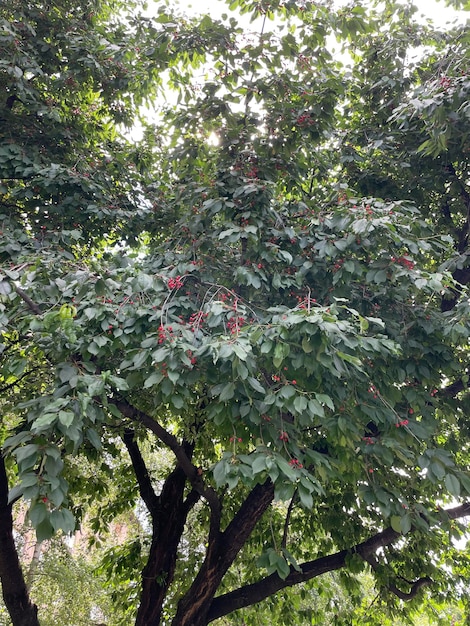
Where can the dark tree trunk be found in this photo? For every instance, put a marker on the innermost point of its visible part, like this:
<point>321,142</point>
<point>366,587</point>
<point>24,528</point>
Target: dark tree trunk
<point>168,526</point>
<point>15,594</point>
<point>222,550</point>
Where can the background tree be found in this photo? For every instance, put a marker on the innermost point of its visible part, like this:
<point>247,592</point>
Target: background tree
<point>269,289</point>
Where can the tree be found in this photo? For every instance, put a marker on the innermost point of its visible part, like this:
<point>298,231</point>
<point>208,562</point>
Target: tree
<point>270,288</point>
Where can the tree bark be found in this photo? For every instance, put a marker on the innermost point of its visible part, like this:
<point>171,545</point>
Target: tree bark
<point>168,512</point>
<point>222,550</point>
<point>15,594</point>
<point>167,529</point>
<point>268,586</point>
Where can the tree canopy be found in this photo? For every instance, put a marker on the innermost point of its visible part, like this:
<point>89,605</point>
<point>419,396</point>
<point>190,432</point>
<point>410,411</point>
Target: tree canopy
<point>252,323</point>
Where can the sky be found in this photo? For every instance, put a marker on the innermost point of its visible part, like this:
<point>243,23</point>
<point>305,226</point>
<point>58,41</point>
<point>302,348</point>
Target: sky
<point>430,8</point>
<point>434,9</point>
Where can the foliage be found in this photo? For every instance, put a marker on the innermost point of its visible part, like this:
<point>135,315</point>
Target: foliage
<point>62,579</point>
<point>270,287</point>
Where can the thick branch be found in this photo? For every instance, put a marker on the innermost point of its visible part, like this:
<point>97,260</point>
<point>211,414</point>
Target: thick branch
<point>167,528</point>
<point>146,490</point>
<point>251,594</point>
<point>167,438</point>
<point>251,511</point>
<point>32,305</point>
<point>460,275</point>
<point>193,473</point>
<point>15,594</point>
<point>450,391</point>
<point>221,552</point>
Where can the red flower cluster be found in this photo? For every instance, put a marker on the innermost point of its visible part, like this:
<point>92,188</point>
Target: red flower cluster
<point>373,390</point>
<point>175,283</point>
<point>235,323</point>
<point>445,82</point>
<point>305,120</point>
<point>252,173</point>
<point>295,463</point>
<point>402,423</point>
<point>197,319</point>
<point>401,260</point>
<point>338,265</point>
<point>164,333</point>
<point>283,436</point>
<point>192,358</point>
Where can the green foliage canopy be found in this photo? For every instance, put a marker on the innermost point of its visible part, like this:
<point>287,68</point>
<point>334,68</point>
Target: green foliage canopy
<point>271,285</point>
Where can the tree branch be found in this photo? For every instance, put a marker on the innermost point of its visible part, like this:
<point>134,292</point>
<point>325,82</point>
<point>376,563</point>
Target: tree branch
<point>450,391</point>
<point>146,490</point>
<point>465,196</point>
<point>253,508</point>
<point>287,520</point>
<point>460,275</point>
<point>193,473</point>
<point>221,552</point>
<point>251,594</point>
<point>415,585</point>
<point>24,296</point>
<point>20,378</point>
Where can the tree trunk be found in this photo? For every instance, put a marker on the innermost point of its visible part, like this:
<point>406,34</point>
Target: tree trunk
<point>15,594</point>
<point>168,526</point>
<point>193,608</point>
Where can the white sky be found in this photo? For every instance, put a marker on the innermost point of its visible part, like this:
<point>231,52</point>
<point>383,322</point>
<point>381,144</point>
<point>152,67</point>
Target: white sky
<point>433,9</point>
<point>430,8</point>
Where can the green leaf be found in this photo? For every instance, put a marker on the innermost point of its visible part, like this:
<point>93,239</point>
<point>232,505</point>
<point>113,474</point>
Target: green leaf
<point>452,484</point>
<point>15,493</point>
<point>119,383</point>
<point>286,469</point>
<point>67,372</point>
<point>177,401</point>
<point>395,523</point>
<point>153,379</point>
<point>25,452</point>
<point>159,356</point>
<point>255,385</point>
<point>280,352</point>
<point>300,404</point>
<point>94,438</point>
<point>349,358</point>
<point>66,417</point>
<point>37,513</point>
<point>96,386</point>
<point>44,530</point>
<point>227,393</point>
<point>220,472</point>
<point>140,358</point>
<point>44,421</point>
<point>405,524</point>
<point>324,399</point>
<point>282,567</point>
<point>258,465</point>
<point>306,497</point>
<point>62,519</point>
<point>315,407</point>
